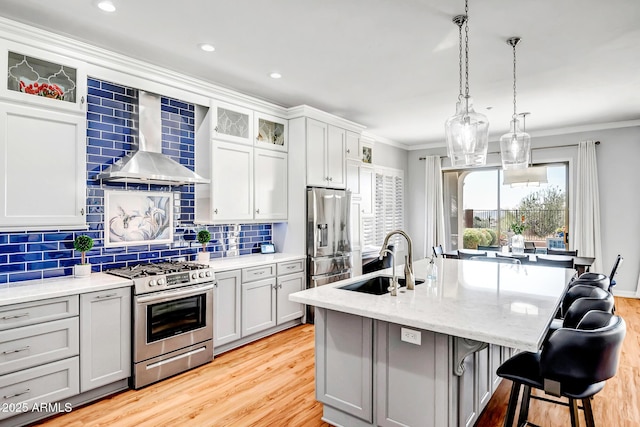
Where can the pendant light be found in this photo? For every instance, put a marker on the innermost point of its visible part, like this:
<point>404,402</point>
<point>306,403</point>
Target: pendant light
<point>532,176</point>
<point>467,132</point>
<point>515,146</point>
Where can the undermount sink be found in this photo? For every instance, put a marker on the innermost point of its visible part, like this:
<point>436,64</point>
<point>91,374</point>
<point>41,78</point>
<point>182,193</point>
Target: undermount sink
<point>378,285</point>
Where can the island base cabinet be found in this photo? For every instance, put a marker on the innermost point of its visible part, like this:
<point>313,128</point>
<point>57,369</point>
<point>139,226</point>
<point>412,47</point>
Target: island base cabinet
<point>344,362</point>
<point>366,375</point>
<point>411,380</point>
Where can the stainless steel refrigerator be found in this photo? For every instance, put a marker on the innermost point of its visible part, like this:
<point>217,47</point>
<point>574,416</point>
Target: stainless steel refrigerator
<point>328,237</point>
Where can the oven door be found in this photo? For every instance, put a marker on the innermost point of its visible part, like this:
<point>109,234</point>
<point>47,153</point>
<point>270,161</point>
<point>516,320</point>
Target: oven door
<point>170,320</point>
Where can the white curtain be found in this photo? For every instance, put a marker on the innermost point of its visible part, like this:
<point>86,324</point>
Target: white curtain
<point>586,235</point>
<point>433,208</point>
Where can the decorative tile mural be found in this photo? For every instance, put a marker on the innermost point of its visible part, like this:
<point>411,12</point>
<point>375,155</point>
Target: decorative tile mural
<point>111,133</point>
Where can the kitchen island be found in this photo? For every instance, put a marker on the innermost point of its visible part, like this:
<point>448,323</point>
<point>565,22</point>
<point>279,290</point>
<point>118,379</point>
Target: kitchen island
<point>427,357</point>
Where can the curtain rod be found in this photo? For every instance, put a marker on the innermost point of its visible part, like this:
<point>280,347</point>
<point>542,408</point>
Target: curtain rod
<point>539,148</point>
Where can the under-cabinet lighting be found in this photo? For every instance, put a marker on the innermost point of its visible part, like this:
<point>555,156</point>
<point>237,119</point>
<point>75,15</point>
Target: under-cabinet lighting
<point>107,6</point>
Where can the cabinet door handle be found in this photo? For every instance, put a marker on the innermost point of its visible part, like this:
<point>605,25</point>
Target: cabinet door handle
<point>17,350</point>
<point>257,211</point>
<point>82,100</point>
<point>330,179</point>
<point>82,211</point>
<point>17,394</point>
<point>280,286</point>
<point>105,296</point>
<point>15,316</point>
<point>216,128</point>
<point>348,151</point>
<point>215,211</point>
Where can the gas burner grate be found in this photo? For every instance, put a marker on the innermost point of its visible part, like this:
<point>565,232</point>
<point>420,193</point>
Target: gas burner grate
<point>154,269</point>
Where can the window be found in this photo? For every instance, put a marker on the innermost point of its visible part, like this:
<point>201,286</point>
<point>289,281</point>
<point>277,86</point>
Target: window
<point>481,209</point>
<point>388,208</point>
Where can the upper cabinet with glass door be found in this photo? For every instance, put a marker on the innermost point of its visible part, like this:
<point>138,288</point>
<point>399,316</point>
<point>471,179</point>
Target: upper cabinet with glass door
<point>231,123</point>
<point>271,132</point>
<point>39,77</point>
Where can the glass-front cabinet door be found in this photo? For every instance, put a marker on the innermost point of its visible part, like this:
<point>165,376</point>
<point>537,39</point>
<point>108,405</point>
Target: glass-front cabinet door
<point>231,123</point>
<point>271,132</point>
<point>40,77</point>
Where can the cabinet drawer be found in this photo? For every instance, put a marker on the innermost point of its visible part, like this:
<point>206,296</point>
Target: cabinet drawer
<point>35,345</point>
<point>258,273</point>
<point>29,313</point>
<point>43,384</point>
<point>290,267</point>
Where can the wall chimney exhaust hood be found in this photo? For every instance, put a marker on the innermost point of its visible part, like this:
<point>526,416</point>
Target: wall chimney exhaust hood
<point>148,165</point>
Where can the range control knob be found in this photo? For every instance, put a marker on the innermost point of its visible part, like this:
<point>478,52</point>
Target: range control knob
<point>194,276</point>
<point>152,282</point>
<point>201,274</point>
<point>207,273</point>
<point>161,282</point>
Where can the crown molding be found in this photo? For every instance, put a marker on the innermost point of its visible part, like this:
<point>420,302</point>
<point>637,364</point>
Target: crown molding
<point>323,116</point>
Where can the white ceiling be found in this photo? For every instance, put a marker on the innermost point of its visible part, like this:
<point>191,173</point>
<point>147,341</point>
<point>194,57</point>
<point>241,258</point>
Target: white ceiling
<point>391,65</point>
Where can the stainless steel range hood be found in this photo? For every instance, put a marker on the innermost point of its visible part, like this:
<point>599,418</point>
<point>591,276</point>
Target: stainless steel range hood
<point>148,165</point>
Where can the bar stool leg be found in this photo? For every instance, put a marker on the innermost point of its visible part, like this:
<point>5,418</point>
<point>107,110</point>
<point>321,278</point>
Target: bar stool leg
<point>524,406</point>
<point>573,410</point>
<point>588,412</point>
<point>513,402</point>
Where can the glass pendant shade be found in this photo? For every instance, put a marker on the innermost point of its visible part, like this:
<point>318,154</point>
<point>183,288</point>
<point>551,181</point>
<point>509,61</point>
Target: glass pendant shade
<point>467,135</point>
<point>515,147</point>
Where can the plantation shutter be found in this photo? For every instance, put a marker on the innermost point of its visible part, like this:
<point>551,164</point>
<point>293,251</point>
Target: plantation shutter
<point>389,205</point>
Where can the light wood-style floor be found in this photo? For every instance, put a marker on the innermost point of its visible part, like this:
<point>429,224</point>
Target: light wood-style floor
<point>271,383</point>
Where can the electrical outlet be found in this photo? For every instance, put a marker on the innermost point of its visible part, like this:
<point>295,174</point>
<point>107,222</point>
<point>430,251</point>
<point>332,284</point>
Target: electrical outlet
<point>411,336</point>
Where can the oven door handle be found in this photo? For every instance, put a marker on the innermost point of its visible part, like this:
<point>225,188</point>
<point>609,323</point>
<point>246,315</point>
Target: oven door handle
<point>171,295</point>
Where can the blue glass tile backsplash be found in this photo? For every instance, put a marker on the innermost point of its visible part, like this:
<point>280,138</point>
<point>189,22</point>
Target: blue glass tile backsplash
<point>111,133</point>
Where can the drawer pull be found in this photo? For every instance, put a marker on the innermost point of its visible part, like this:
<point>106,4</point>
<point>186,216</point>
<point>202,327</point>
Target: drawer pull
<point>106,296</point>
<point>17,394</point>
<point>259,272</point>
<point>17,350</point>
<point>16,316</point>
<point>291,266</point>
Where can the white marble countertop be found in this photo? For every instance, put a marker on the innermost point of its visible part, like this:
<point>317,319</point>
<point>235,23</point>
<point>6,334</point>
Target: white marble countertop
<point>33,290</point>
<point>234,263</point>
<point>504,304</point>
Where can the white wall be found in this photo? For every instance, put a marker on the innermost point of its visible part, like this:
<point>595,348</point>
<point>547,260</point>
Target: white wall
<point>619,178</point>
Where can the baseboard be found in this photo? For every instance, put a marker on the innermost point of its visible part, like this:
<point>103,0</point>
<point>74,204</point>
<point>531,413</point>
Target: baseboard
<point>626,294</point>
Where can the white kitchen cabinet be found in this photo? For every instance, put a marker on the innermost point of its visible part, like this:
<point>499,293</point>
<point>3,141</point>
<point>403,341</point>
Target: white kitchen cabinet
<point>41,78</point>
<point>336,157</point>
<point>105,337</point>
<point>247,184</point>
<point>271,132</point>
<point>354,146</point>
<point>289,310</point>
<point>258,306</point>
<point>367,177</point>
<point>43,178</point>
<point>231,123</point>
<point>227,295</point>
<point>270,186</point>
<point>39,347</point>
<point>353,178</point>
<point>232,182</point>
<point>326,154</point>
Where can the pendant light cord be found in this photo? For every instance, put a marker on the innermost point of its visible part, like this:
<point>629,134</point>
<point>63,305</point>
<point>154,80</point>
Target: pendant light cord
<point>466,53</point>
<point>515,115</point>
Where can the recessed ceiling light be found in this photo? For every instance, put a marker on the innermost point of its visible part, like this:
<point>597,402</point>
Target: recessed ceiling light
<point>207,47</point>
<point>275,75</point>
<point>107,6</point>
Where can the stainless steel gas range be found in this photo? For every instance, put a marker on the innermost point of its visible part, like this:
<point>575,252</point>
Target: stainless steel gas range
<point>172,318</point>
